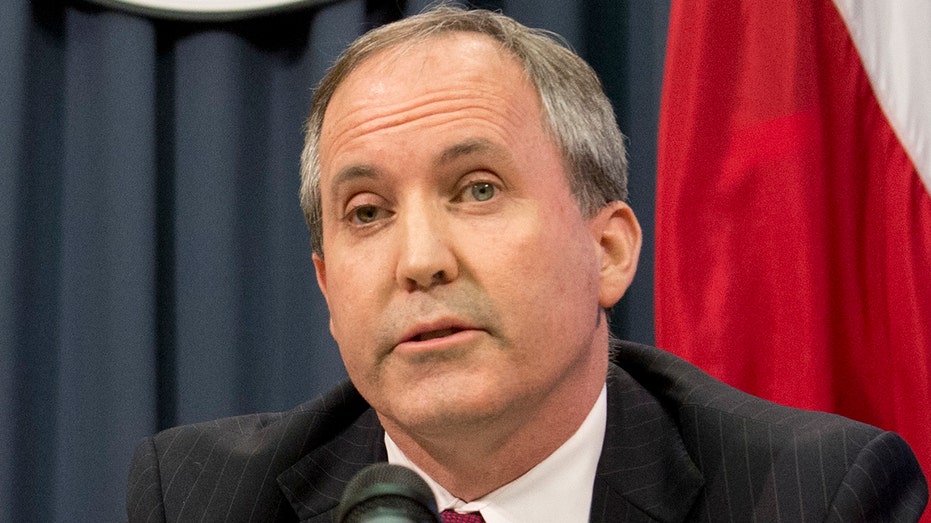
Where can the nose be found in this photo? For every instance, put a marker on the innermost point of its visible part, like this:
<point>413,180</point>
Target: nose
<point>426,257</point>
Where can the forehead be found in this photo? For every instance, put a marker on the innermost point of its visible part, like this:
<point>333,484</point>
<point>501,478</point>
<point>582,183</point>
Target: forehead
<point>410,80</point>
<point>452,55</point>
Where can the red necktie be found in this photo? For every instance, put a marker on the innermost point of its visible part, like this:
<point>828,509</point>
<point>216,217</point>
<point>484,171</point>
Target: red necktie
<point>450,516</point>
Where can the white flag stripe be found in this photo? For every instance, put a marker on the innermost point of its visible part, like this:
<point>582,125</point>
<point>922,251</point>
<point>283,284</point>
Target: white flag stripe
<point>894,41</point>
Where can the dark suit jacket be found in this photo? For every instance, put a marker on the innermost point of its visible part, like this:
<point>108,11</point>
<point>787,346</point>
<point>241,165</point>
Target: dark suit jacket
<point>680,446</point>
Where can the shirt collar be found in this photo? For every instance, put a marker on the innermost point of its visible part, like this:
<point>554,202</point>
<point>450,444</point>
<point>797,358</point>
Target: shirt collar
<point>559,488</point>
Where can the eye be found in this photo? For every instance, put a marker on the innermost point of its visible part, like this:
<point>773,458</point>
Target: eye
<point>365,214</point>
<point>482,191</point>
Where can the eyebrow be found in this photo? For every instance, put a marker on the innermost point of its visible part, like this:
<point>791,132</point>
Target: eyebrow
<point>353,172</point>
<point>467,148</point>
<point>350,173</point>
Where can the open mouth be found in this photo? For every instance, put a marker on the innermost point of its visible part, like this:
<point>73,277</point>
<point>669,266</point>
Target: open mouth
<point>435,334</point>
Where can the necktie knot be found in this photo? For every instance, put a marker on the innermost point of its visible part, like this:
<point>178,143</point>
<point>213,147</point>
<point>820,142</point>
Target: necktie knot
<point>451,516</point>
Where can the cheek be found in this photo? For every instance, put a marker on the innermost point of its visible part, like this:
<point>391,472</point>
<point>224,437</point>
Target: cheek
<point>537,267</point>
<point>350,299</point>
<point>351,318</point>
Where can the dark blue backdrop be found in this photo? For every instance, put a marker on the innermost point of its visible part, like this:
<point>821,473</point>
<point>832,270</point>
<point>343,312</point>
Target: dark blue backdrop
<point>154,264</point>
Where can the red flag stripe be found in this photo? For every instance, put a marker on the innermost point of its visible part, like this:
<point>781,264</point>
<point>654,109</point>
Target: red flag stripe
<point>793,249</point>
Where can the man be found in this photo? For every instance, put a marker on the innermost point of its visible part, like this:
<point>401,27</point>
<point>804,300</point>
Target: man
<point>464,181</point>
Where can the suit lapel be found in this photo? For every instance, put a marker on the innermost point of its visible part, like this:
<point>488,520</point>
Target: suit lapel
<point>644,473</point>
<point>315,484</point>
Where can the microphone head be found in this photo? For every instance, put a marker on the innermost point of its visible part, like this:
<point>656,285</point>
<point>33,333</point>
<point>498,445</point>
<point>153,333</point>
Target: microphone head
<point>383,492</point>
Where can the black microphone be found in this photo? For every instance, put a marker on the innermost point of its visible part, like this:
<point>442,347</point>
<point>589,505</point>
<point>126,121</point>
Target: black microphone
<point>386,493</point>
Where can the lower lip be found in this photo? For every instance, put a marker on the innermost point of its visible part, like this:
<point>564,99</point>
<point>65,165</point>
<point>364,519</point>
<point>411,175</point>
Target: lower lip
<point>442,343</point>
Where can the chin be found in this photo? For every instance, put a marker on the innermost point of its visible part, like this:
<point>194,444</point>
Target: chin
<point>427,413</point>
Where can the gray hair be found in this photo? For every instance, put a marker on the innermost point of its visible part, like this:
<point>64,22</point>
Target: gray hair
<point>577,113</point>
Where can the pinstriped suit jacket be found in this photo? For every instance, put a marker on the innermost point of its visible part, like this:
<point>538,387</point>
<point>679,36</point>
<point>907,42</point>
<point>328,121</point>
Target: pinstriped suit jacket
<point>680,446</point>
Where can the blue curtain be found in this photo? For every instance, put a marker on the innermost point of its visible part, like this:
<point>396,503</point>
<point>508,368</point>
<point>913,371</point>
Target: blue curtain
<point>154,264</point>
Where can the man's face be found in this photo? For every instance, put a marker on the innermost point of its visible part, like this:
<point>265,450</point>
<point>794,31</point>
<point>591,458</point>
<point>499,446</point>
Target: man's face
<point>463,282</point>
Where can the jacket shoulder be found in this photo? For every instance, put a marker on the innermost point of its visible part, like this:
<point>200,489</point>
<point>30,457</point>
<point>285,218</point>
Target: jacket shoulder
<point>227,468</point>
<point>758,457</point>
<point>687,392</point>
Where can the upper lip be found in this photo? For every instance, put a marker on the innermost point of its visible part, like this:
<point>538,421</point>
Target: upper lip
<point>435,329</point>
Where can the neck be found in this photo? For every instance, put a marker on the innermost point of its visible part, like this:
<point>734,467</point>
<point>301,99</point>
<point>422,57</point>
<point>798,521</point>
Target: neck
<point>473,461</point>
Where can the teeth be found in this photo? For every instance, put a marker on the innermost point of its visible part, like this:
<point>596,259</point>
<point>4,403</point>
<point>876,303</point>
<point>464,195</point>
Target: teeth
<point>435,334</point>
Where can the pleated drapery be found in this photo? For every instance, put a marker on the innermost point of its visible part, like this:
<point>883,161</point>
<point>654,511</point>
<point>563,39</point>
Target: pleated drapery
<point>154,263</point>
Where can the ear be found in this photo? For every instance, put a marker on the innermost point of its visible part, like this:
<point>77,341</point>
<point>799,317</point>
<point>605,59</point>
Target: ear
<point>619,239</point>
<point>320,269</point>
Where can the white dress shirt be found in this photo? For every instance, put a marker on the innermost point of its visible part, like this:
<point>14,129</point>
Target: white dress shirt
<point>558,489</point>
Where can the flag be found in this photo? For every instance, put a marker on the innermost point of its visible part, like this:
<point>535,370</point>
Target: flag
<point>793,222</point>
